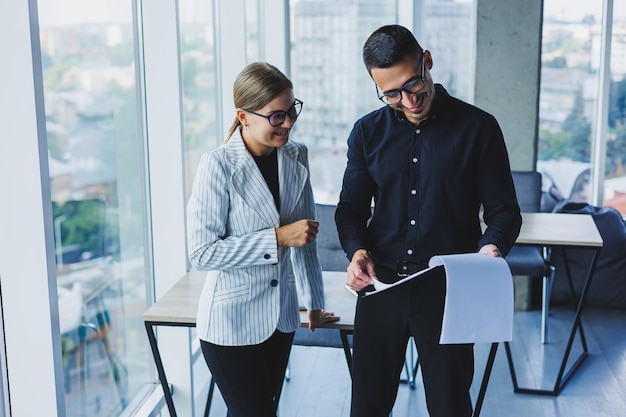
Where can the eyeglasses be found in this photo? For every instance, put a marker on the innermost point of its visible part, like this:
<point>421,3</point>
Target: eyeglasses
<point>412,86</point>
<point>278,117</point>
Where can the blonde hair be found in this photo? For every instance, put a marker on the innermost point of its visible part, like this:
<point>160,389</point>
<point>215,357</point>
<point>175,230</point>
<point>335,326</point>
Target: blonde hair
<point>255,86</point>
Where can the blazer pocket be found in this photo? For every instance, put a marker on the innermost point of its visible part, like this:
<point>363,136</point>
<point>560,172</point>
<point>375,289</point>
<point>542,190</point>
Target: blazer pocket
<point>232,294</point>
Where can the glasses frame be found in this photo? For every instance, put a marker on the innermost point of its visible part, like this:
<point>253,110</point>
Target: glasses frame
<point>404,88</point>
<point>282,115</point>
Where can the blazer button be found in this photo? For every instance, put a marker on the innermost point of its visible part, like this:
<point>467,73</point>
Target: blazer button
<point>274,282</point>
<point>267,256</point>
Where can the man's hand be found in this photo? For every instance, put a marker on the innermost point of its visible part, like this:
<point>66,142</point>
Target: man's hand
<point>491,250</point>
<point>361,271</point>
<point>299,233</point>
<point>317,317</point>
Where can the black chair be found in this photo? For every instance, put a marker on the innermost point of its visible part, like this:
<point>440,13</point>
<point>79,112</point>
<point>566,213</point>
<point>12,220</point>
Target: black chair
<point>530,260</point>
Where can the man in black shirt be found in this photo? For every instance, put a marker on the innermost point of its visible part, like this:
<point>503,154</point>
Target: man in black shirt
<point>428,163</point>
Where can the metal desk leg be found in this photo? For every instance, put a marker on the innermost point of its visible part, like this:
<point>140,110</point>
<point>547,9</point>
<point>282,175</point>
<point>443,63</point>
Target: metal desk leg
<point>486,376</point>
<point>161,371</point>
<point>207,408</point>
<point>346,348</point>
<point>562,377</point>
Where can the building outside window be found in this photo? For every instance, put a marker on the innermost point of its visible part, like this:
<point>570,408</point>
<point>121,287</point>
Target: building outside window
<point>198,73</point>
<point>327,69</point>
<point>96,154</point>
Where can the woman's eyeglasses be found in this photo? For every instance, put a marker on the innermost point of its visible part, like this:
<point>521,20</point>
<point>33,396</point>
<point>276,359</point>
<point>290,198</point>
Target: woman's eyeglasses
<point>277,118</point>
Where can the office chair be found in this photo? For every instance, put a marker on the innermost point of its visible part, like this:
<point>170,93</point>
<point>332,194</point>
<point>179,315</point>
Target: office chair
<point>530,260</point>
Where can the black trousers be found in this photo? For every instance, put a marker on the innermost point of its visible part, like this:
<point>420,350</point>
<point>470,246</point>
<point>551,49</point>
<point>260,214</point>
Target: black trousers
<point>383,324</point>
<point>250,378</point>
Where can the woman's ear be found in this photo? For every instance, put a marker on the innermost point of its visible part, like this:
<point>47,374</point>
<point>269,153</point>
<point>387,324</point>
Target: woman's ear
<point>242,116</point>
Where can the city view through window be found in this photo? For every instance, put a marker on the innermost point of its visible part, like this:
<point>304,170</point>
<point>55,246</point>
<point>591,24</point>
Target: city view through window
<point>96,169</point>
<point>328,73</point>
<point>571,56</point>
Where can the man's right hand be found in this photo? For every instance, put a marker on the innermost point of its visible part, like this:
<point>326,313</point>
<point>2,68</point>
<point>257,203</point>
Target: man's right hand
<point>361,271</point>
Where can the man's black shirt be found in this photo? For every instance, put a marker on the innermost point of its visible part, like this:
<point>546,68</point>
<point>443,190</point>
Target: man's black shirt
<point>427,184</point>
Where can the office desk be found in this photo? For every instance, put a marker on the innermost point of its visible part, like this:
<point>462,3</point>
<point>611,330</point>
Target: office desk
<point>568,231</point>
<point>178,307</point>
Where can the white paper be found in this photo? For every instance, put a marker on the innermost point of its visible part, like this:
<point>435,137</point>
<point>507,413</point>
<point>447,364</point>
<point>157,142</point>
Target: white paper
<point>382,286</point>
<point>479,298</point>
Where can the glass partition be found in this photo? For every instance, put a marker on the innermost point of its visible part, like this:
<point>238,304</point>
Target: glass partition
<point>96,158</point>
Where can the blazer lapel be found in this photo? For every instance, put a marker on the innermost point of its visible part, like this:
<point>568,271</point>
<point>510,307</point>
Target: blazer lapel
<point>248,182</point>
<point>292,177</point>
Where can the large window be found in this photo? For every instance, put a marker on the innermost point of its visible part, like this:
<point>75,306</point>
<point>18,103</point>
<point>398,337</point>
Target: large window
<point>96,159</point>
<point>327,68</point>
<point>198,70</point>
<point>615,182</point>
<point>329,77</point>
<point>573,121</point>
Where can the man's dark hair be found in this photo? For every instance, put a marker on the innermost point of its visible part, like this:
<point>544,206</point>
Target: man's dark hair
<point>389,45</point>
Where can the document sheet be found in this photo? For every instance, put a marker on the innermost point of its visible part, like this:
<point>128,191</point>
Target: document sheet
<point>479,298</point>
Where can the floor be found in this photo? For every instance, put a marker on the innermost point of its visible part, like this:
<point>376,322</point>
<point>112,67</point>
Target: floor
<point>319,383</point>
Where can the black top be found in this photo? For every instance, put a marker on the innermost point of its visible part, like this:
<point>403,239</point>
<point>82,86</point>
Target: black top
<point>427,184</point>
<point>268,164</point>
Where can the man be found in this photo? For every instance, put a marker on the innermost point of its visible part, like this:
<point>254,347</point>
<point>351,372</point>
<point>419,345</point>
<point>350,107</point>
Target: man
<point>428,162</point>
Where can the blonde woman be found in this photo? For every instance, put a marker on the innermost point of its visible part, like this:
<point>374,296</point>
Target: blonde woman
<point>251,225</point>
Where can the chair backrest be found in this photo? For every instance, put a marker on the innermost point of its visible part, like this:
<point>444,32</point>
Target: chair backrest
<point>528,190</point>
<point>332,257</point>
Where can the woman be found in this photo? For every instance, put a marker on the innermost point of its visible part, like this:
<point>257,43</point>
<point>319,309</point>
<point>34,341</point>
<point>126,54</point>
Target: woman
<point>250,224</point>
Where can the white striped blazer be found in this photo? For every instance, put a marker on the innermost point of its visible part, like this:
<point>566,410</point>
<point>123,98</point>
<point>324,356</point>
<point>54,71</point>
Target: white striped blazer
<point>252,287</point>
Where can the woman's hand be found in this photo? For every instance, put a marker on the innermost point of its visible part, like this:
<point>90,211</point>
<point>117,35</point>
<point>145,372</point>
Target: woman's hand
<point>317,317</point>
<point>299,233</point>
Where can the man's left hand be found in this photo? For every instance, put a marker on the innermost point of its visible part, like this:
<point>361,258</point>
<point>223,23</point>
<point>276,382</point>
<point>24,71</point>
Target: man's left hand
<point>492,250</point>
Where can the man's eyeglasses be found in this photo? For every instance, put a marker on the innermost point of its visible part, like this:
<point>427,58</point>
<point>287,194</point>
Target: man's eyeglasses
<point>278,117</point>
<point>412,86</point>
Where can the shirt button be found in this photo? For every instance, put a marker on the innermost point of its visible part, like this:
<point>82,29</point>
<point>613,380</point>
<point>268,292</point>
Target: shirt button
<point>267,256</point>
<point>412,222</point>
<point>418,131</point>
<point>409,252</point>
<point>415,160</point>
<point>413,192</point>
<point>274,282</point>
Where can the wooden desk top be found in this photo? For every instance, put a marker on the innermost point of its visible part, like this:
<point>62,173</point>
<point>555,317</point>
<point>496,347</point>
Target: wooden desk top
<point>559,229</point>
<point>178,306</point>
<point>338,300</point>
